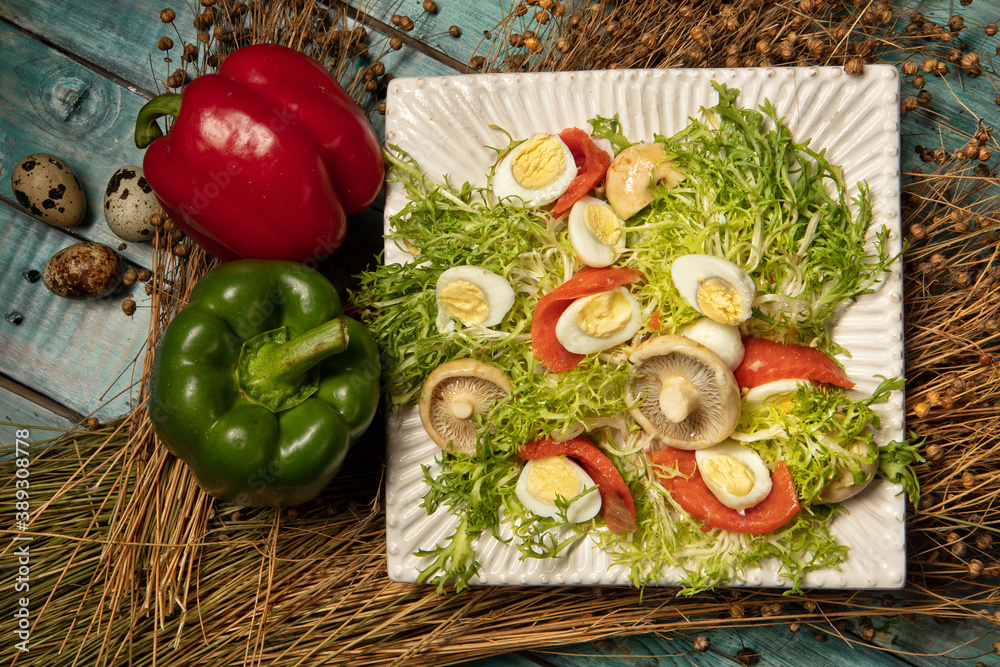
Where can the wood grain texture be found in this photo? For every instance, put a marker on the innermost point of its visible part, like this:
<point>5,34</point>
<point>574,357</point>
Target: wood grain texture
<point>82,354</point>
<point>52,104</point>
<point>476,22</point>
<point>17,411</point>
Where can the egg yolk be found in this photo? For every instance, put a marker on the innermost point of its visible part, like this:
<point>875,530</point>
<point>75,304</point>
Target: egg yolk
<point>729,473</point>
<point>538,162</point>
<point>604,314</point>
<point>719,300</point>
<point>465,301</point>
<point>552,476</point>
<point>603,224</point>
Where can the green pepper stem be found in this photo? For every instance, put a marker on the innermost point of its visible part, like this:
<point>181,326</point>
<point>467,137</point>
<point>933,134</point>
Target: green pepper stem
<point>279,373</point>
<point>146,128</point>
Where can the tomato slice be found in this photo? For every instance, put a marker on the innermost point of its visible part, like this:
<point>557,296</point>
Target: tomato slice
<point>588,280</point>
<point>617,505</point>
<point>591,165</point>
<point>766,361</point>
<point>692,494</point>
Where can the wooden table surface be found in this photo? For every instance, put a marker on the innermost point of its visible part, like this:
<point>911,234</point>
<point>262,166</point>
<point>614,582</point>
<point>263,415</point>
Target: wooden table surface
<point>72,78</point>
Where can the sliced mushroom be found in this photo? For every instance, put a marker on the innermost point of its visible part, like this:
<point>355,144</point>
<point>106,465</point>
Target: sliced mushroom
<point>691,399</point>
<point>633,175</point>
<point>453,395</point>
<point>844,486</point>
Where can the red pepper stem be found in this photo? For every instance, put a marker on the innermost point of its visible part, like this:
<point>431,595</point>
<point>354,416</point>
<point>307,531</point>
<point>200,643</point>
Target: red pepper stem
<point>279,373</point>
<point>146,128</point>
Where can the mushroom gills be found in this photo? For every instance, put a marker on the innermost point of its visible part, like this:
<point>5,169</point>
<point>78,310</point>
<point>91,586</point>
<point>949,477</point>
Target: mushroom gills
<point>690,399</point>
<point>454,395</point>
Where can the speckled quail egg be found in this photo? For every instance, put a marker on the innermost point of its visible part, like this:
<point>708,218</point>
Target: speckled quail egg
<point>598,322</point>
<point>128,204</point>
<point>472,295</point>
<point>83,271</point>
<point>715,287</point>
<point>49,189</point>
<point>535,172</point>
<point>596,232</point>
<point>722,339</point>
<point>735,474</point>
<point>544,479</point>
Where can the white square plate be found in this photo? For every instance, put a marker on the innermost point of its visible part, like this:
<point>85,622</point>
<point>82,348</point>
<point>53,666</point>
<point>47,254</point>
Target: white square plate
<point>444,123</point>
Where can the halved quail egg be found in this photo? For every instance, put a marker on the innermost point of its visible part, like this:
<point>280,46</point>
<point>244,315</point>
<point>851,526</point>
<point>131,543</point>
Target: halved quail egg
<point>472,295</point>
<point>735,474</point>
<point>535,172</point>
<point>600,321</point>
<point>722,339</point>
<point>596,232</point>
<point>544,479</point>
<point>715,287</point>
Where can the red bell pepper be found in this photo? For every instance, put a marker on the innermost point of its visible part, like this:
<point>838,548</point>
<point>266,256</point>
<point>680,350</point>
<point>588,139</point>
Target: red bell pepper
<point>265,158</point>
<point>617,505</point>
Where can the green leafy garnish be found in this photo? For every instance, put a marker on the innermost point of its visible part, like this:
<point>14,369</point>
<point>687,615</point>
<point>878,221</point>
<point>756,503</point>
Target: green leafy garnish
<point>750,194</point>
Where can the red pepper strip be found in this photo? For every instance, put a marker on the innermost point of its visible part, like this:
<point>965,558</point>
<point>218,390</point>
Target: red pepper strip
<point>617,506</point>
<point>692,494</point>
<point>591,165</point>
<point>766,361</point>
<point>588,280</point>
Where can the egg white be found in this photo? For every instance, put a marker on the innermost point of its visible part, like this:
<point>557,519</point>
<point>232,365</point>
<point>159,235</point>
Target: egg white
<point>773,392</point>
<point>722,339</point>
<point>761,475</point>
<point>690,271</point>
<point>506,187</point>
<point>498,292</point>
<point>591,250</point>
<point>569,334</point>
<point>584,508</point>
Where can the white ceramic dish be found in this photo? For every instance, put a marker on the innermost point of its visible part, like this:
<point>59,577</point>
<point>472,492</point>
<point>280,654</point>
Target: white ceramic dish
<point>445,124</point>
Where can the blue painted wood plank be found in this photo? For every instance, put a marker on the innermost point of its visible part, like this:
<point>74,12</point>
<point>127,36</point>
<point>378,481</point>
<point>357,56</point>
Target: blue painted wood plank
<point>51,104</point>
<point>120,36</point>
<point>82,354</point>
<point>18,412</point>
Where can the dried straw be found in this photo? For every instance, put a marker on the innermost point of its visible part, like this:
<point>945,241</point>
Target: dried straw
<point>137,565</point>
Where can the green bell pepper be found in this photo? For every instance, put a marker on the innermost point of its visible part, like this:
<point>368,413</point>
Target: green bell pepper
<point>261,385</point>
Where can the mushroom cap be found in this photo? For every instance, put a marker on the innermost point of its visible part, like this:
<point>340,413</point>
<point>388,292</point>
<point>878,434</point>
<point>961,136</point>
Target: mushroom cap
<point>633,174</point>
<point>843,486</point>
<point>663,363</point>
<point>453,394</point>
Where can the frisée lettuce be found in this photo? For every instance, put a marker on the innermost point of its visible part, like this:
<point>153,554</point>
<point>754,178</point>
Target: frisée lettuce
<point>750,194</point>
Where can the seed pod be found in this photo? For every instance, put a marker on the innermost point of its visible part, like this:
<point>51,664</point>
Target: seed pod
<point>128,307</point>
<point>455,31</point>
<point>167,15</point>
<point>430,6</point>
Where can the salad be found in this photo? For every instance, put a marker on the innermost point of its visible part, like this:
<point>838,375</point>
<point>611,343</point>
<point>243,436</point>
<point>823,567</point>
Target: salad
<point>628,342</point>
